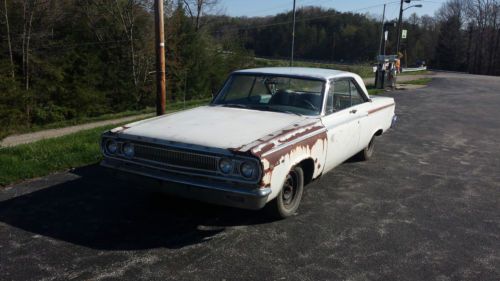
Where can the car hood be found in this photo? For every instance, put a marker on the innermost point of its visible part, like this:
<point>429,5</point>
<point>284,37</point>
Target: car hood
<point>212,126</point>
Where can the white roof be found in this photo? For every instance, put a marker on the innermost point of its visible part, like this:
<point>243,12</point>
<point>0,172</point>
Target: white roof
<point>320,73</point>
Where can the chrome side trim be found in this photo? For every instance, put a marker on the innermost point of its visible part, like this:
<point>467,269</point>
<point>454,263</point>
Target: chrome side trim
<point>380,108</point>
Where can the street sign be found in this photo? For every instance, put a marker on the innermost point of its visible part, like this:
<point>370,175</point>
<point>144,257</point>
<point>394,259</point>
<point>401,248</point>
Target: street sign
<point>405,33</point>
<point>386,35</point>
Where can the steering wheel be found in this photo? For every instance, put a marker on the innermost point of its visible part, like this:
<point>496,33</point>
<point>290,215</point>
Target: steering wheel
<point>310,104</point>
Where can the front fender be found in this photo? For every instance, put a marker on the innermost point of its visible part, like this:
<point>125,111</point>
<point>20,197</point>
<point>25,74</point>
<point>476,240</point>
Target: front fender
<point>277,163</point>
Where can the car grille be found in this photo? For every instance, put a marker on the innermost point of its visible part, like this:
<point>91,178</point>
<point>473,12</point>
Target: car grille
<point>176,158</point>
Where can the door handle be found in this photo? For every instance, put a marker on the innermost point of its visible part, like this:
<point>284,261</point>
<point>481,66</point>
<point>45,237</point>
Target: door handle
<point>353,111</point>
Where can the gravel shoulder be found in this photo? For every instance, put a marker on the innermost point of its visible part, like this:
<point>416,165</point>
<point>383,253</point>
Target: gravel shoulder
<point>53,133</point>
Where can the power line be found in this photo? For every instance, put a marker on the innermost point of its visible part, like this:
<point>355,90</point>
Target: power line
<point>303,20</point>
<point>281,6</point>
<point>64,46</point>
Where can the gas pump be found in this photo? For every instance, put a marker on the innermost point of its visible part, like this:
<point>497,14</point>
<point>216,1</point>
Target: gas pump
<point>385,75</point>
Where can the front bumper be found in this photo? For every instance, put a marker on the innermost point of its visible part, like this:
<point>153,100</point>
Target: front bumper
<point>221,193</point>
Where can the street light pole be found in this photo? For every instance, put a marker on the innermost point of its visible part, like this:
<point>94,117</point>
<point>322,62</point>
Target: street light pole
<point>399,27</point>
<point>382,35</point>
<point>160,58</point>
<point>293,35</point>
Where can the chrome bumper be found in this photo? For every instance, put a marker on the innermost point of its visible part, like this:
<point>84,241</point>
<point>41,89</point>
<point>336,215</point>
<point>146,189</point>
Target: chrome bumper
<point>394,120</point>
<point>221,193</point>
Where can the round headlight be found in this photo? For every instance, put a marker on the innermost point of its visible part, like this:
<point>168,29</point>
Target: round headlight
<point>111,146</point>
<point>128,150</point>
<point>248,169</point>
<point>225,165</point>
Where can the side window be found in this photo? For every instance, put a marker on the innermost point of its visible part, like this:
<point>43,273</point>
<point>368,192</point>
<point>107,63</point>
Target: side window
<point>339,96</point>
<point>356,96</point>
<point>343,94</point>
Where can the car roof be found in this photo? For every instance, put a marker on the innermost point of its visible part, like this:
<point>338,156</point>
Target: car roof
<point>321,73</point>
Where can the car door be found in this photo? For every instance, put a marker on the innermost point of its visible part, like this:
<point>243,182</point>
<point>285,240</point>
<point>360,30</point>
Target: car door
<point>360,102</point>
<point>342,121</point>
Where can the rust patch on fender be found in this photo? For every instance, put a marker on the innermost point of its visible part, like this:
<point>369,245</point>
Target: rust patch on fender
<point>267,138</point>
<point>312,147</point>
<point>306,139</point>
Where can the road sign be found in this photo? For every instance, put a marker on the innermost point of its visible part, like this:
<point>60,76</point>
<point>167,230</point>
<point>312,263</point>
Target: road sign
<point>405,33</point>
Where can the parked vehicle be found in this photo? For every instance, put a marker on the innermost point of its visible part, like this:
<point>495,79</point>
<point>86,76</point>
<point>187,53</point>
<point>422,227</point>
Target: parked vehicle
<point>266,134</point>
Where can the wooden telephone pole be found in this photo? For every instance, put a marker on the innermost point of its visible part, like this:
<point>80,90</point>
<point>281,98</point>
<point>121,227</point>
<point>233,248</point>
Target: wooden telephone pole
<point>160,59</point>
<point>293,35</point>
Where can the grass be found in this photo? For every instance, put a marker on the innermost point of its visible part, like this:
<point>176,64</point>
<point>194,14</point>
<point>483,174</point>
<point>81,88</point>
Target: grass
<point>363,70</point>
<point>422,81</point>
<point>47,156</point>
<point>83,120</point>
<point>374,92</point>
<point>420,72</point>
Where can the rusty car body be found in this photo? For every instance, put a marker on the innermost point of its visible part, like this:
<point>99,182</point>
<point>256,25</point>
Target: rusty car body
<point>264,125</point>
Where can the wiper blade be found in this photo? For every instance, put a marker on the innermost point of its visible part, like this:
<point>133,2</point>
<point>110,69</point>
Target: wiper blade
<point>267,107</point>
<point>237,105</point>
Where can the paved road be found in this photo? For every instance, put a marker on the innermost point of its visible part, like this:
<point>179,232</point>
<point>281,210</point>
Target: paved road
<point>426,208</point>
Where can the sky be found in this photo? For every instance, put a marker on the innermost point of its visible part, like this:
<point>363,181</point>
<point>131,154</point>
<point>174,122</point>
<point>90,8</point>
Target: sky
<point>375,7</point>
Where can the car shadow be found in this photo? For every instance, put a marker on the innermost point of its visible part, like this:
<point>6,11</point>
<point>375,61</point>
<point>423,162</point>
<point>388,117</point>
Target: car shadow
<point>99,211</point>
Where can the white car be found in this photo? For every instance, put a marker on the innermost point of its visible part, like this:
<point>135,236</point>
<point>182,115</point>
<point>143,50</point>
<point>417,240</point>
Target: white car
<point>266,134</point>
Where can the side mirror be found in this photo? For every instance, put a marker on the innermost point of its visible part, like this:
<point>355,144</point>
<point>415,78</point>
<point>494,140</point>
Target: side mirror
<point>215,91</point>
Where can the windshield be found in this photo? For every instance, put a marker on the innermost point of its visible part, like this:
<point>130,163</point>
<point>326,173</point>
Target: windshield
<point>273,93</point>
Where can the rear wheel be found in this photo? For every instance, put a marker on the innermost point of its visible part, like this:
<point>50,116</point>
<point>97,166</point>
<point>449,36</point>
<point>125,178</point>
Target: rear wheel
<point>288,200</point>
<point>367,153</point>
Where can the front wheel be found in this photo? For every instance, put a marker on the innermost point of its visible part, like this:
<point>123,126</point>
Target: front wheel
<point>288,200</point>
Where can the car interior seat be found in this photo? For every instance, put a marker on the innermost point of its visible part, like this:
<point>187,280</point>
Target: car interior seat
<point>281,97</point>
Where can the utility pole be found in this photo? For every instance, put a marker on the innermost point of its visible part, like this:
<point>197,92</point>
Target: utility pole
<point>382,32</point>
<point>160,58</point>
<point>293,35</point>
<point>399,27</point>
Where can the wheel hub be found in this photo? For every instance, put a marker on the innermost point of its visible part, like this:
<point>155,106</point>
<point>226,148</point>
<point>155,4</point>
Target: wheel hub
<point>289,189</point>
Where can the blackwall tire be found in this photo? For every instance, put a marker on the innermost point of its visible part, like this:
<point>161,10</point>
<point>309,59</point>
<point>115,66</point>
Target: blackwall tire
<point>367,153</point>
<point>288,200</point>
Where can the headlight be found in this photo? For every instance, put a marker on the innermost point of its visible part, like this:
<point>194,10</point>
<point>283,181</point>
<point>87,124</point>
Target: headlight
<point>111,146</point>
<point>225,165</point>
<point>248,169</point>
<point>128,150</point>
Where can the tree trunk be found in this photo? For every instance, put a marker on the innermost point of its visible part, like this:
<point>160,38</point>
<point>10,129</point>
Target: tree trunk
<point>13,71</point>
<point>129,32</point>
<point>469,42</point>
<point>28,46</point>
<point>198,14</point>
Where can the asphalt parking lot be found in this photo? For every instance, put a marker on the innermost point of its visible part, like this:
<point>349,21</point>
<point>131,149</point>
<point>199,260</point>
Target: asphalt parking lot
<point>427,207</point>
